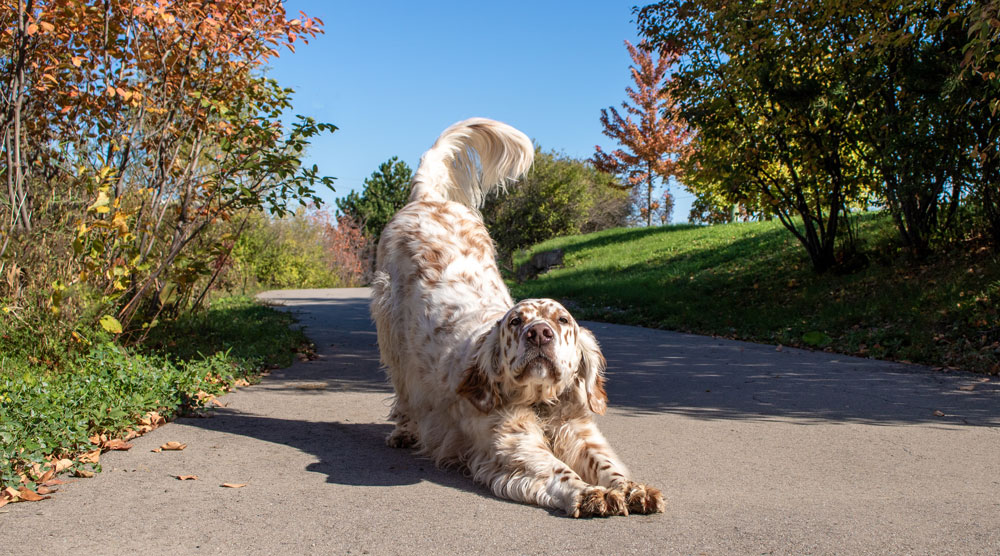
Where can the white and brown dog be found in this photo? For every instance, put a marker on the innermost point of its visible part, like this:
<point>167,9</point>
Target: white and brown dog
<point>505,390</point>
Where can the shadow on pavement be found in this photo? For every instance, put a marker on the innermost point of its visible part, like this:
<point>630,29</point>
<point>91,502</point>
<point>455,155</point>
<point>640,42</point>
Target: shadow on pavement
<point>655,371</point>
<point>347,453</point>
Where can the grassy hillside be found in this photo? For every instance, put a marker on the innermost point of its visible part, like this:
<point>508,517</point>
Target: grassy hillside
<point>753,281</point>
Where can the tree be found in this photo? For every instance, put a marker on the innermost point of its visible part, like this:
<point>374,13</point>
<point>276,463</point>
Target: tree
<point>558,196</point>
<point>652,144</point>
<point>129,129</point>
<point>385,192</point>
<point>763,84</point>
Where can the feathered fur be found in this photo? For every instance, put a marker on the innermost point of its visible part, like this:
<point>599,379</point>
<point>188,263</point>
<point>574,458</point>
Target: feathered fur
<point>505,390</point>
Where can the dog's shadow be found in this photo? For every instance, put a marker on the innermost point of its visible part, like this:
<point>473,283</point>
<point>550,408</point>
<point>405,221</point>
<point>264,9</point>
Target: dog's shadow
<point>347,453</point>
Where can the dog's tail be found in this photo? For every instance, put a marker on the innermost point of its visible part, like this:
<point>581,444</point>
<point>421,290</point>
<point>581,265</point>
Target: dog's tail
<point>470,159</point>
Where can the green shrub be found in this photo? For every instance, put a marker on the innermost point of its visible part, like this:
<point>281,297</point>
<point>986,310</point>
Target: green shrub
<point>559,196</point>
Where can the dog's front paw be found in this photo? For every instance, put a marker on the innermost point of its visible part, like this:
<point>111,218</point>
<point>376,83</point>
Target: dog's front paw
<point>642,499</point>
<point>401,438</point>
<point>598,501</point>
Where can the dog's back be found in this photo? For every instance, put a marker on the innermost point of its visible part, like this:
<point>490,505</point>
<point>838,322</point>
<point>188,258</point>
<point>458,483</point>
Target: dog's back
<point>437,282</point>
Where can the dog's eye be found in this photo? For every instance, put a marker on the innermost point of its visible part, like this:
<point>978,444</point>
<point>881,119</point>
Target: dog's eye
<point>564,320</point>
<point>516,321</point>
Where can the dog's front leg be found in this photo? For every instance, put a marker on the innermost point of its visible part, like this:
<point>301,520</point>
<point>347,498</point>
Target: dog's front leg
<point>523,468</point>
<point>584,448</point>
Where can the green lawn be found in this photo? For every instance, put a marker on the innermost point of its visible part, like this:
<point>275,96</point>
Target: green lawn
<point>753,281</point>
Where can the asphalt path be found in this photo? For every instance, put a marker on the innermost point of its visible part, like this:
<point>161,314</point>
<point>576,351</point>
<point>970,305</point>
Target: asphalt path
<point>758,451</point>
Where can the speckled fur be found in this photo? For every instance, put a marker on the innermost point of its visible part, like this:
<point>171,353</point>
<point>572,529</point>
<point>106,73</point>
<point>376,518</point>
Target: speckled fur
<point>471,387</point>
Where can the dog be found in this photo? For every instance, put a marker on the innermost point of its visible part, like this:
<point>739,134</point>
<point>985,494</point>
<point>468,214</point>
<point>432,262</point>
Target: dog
<point>503,390</point>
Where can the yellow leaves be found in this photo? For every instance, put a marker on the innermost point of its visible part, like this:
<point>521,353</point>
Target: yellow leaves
<point>101,205</point>
<point>111,324</point>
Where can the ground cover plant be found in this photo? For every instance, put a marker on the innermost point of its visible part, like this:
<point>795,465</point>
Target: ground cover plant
<point>64,413</point>
<point>751,281</point>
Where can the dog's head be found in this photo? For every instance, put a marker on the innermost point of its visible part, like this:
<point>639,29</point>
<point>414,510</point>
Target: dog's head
<point>535,353</point>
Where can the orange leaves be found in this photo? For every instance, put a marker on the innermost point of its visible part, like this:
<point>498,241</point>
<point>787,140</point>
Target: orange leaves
<point>173,446</point>
<point>657,139</point>
<point>93,456</point>
<point>187,477</point>
<point>233,485</point>
<point>43,477</point>
<point>117,444</point>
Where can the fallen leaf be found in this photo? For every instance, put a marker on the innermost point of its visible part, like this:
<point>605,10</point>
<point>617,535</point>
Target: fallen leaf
<point>218,403</point>
<point>29,495</point>
<point>779,348</point>
<point>234,485</point>
<point>156,450</point>
<point>173,446</point>
<point>45,490</point>
<point>92,456</point>
<point>83,474</point>
<point>241,382</point>
<point>54,482</point>
<point>11,493</point>
<point>967,387</point>
<point>3,502</point>
<point>938,413</point>
<point>187,477</point>
<point>63,465</point>
<point>117,444</point>
<point>47,476</point>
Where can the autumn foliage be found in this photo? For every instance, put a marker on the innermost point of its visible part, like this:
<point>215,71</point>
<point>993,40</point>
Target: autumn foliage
<point>130,128</point>
<point>651,134</point>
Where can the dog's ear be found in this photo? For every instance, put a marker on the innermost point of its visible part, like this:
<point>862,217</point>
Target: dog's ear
<point>592,365</point>
<point>478,388</point>
<point>478,383</point>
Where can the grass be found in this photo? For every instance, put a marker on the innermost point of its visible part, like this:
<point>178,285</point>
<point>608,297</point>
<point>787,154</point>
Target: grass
<point>753,281</point>
<point>51,412</point>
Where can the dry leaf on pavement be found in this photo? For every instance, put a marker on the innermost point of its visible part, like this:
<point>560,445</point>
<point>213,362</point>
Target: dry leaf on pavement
<point>92,456</point>
<point>173,446</point>
<point>83,474</point>
<point>29,495</point>
<point>234,485</point>
<point>117,444</point>
<point>187,477</point>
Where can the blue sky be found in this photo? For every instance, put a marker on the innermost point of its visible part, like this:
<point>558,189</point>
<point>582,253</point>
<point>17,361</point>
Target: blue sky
<point>393,74</point>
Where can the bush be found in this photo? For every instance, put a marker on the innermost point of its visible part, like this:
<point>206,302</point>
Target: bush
<point>559,196</point>
<point>280,253</point>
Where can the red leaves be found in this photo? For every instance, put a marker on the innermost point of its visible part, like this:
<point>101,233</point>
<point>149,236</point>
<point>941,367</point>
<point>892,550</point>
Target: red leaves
<point>654,144</point>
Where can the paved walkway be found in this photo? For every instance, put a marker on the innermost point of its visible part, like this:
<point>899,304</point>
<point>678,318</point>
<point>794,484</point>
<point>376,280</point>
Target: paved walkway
<point>757,450</point>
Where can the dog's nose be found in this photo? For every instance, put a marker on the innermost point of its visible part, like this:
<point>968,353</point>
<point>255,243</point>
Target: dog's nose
<point>540,334</point>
